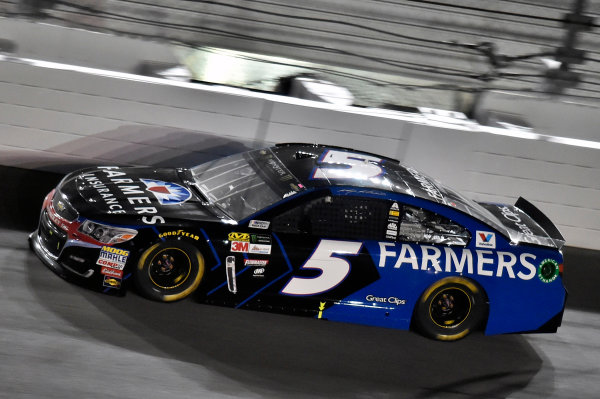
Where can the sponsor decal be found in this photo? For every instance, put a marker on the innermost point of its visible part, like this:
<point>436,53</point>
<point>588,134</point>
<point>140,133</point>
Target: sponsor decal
<point>391,300</point>
<point>238,236</point>
<point>428,186</point>
<point>239,246</point>
<point>179,233</point>
<point>485,239</point>
<point>260,239</point>
<point>548,270</point>
<point>111,272</point>
<point>112,282</point>
<point>167,193</point>
<point>261,249</point>
<point>132,191</point>
<point>515,218</point>
<point>321,309</point>
<point>259,272</point>
<point>256,262</point>
<point>113,258</point>
<point>259,224</point>
<point>391,232</point>
<point>458,260</point>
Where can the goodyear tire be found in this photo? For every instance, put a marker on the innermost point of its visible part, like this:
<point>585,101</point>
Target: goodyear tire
<point>169,271</point>
<point>450,309</point>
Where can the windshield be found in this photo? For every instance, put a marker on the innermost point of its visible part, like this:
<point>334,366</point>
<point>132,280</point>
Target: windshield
<point>243,184</point>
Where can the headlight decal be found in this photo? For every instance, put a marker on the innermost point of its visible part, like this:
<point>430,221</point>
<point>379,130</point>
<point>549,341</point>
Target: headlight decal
<point>106,234</point>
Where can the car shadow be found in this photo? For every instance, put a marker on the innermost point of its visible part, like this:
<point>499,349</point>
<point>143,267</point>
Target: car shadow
<point>285,354</point>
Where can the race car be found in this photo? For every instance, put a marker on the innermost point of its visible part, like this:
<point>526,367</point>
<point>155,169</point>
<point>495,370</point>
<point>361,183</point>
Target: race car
<point>320,231</point>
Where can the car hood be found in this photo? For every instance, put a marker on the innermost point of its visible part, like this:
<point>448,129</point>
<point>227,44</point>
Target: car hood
<point>137,192</point>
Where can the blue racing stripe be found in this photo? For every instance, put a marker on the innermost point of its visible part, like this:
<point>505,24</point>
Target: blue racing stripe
<point>277,279</point>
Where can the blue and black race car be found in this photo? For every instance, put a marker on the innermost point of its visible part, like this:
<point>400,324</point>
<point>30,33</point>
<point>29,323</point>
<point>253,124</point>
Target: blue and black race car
<point>320,231</point>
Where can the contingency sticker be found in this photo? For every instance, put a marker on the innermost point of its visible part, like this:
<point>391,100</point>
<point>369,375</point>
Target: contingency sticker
<point>485,239</point>
<point>112,282</point>
<point>391,232</point>
<point>114,258</point>
<point>259,224</point>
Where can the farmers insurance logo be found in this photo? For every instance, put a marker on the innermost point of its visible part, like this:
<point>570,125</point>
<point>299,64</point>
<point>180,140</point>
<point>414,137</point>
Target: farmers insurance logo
<point>485,239</point>
<point>167,193</point>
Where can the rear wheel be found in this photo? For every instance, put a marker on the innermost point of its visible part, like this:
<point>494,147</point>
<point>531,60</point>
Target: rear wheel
<point>169,271</point>
<point>450,309</point>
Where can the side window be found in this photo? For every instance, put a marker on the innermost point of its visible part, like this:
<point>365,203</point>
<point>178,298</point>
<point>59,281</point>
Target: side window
<point>422,226</point>
<point>336,217</point>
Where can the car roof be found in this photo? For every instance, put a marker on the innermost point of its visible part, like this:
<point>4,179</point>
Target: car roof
<point>303,159</point>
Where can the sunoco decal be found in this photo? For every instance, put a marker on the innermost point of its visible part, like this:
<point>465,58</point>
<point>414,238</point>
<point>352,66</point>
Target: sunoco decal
<point>111,282</point>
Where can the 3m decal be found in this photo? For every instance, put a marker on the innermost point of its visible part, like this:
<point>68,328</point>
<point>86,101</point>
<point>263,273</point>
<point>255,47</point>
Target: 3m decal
<point>238,236</point>
<point>391,300</point>
<point>111,282</point>
<point>114,258</point>
<point>111,272</point>
<point>259,224</point>
<point>456,260</point>
<point>348,165</point>
<point>179,233</point>
<point>485,239</point>
<point>548,270</point>
<point>167,193</point>
<point>240,246</point>
<point>256,262</point>
<point>334,269</point>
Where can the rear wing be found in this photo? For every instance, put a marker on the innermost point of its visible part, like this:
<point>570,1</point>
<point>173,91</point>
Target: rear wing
<point>542,220</point>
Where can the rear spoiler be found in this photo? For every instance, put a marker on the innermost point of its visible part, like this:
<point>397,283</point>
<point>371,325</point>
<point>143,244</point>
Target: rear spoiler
<point>542,220</point>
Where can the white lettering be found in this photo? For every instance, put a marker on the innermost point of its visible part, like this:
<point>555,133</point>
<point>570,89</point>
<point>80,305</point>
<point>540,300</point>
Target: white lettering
<point>532,269</point>
<point>433,258</point>
<point>412,258</point>
<point>384,253</point>
<point>482,260</point>
<point>506,264</point>
<point>452,259</point>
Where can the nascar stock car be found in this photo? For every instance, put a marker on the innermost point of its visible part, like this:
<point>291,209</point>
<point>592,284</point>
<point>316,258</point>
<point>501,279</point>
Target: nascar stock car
<point>326,232</point>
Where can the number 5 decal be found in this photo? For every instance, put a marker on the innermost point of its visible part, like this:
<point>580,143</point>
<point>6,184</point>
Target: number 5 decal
<point>356,166</point>
<point>333,269</point>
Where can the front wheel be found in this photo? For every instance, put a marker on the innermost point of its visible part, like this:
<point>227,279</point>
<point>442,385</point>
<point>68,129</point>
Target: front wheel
<point>169,271</point>
<point>450,309</point>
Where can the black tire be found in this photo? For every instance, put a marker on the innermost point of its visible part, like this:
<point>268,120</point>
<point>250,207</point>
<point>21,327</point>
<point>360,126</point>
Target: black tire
<point>450,309</point>
<point>169,271</point>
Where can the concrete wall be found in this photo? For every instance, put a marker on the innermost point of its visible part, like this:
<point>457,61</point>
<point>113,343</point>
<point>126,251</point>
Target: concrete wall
<point>57,118</point>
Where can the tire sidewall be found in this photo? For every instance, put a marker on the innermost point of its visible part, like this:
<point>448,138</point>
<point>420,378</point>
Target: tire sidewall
<point>476,314</point>
<point>149,289</point>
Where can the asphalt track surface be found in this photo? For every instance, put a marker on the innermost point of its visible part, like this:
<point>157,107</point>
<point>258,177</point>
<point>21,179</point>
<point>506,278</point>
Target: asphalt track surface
<point>58,340</point>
